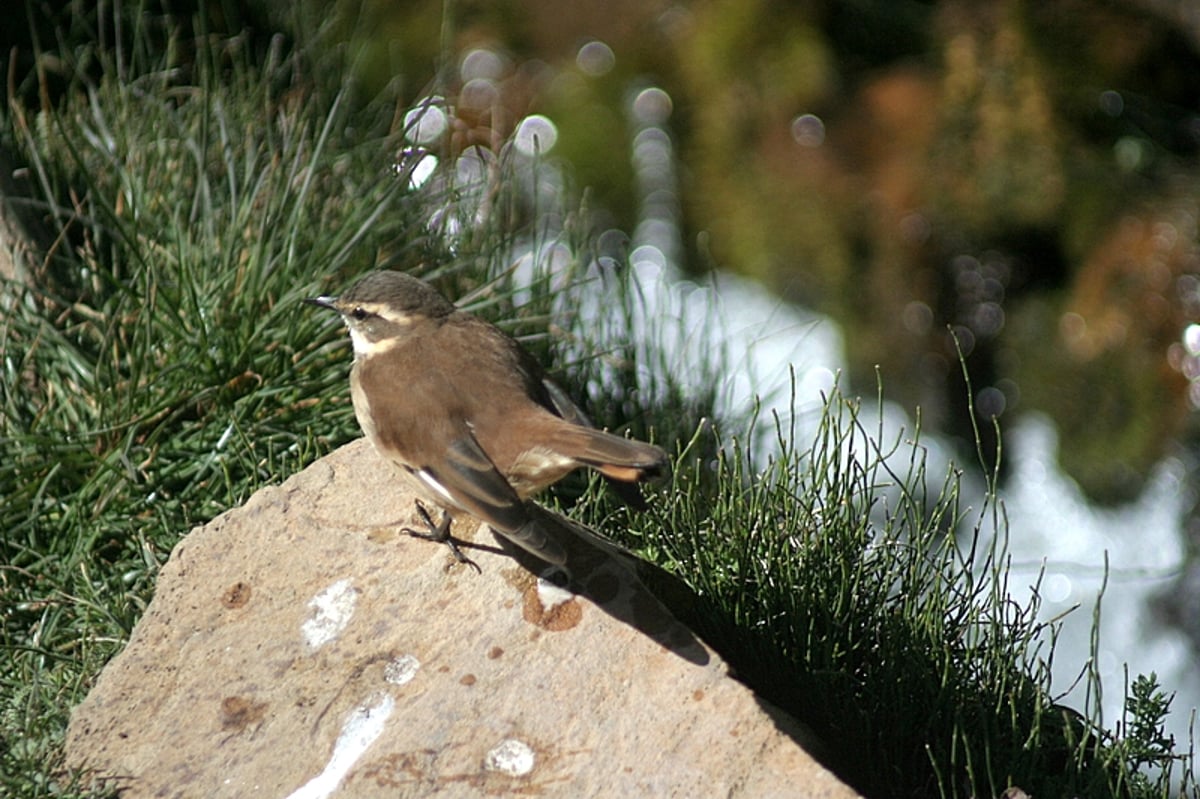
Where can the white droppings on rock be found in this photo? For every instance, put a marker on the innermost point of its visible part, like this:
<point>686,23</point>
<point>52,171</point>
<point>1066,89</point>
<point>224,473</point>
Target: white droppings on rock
<point>402,669</point>
<point>359,731</point>
<point>512,757</point>
<point>551,595</point>
<point>332,609</point>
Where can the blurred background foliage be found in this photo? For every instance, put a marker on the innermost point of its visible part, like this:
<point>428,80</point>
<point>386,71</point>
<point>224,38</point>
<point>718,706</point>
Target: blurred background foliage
<point>1022,173</point>
<point>1017,176</point>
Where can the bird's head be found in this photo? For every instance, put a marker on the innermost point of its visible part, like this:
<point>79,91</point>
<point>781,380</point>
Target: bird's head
<point>382,308</point>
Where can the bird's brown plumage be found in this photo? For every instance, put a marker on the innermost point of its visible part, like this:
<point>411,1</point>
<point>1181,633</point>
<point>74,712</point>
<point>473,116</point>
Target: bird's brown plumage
<point>465,411</point>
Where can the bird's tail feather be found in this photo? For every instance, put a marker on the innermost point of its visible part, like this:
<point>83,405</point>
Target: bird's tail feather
<point>623,459</point>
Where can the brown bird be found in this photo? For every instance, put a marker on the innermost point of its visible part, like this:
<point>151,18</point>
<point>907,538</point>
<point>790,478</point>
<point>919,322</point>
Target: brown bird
<point>466,414</point>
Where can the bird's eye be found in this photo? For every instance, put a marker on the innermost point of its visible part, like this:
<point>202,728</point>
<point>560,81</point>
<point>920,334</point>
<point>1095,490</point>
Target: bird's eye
<point>359,314</point>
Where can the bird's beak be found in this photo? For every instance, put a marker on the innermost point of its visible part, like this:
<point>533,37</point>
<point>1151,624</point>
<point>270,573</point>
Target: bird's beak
<point>323,302</point>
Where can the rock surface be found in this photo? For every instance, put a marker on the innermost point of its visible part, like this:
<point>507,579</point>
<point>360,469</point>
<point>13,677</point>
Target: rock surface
<point>299,646</point>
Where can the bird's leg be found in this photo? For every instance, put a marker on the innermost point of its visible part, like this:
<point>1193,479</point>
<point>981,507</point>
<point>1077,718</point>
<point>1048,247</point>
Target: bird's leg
<point>440,533</point>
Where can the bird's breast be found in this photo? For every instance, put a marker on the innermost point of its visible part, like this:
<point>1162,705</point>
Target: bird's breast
<point>362,405</point>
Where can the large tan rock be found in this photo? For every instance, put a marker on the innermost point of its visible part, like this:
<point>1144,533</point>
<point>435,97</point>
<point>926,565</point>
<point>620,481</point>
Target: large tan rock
<point>299,646</point>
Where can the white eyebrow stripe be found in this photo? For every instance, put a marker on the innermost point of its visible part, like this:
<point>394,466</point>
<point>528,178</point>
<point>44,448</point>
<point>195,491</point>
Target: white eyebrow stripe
<point>383,312</point>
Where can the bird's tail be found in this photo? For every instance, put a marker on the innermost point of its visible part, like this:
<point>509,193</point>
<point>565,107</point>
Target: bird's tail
<point>624,459</point>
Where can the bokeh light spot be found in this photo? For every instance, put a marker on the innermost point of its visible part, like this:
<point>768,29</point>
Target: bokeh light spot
<point>473,165</point>
<point>990,402</point>
<point>648,257</point>
<point>536,135</point>
<point>915,228</point>
<point>808,130</point>
<point>426,123</point>
<point>917,318</point>
<point>479,93</point>
<point>1130,153</point>
<point>419,165</point>
<point>483,63</point>
<point>652,107</point>
<point>595,59</point>
<point>1112,103</point>
<point>963,338</point>
<point>1191,339</point>
<point>987,319</point>
<point>1072,326</point>
<point>1057,588</point>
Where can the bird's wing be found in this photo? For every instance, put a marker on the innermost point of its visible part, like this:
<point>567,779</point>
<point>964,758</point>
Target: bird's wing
<point>563,405</point>
<point>466,479</point>
<point>439,449</point>
<point>471,480</point>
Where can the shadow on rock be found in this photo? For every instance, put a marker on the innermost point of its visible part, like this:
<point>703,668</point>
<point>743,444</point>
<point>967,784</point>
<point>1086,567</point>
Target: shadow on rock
<point>629,589</point>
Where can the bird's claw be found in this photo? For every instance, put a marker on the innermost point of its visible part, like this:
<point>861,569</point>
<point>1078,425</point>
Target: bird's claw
<point>440,533</point>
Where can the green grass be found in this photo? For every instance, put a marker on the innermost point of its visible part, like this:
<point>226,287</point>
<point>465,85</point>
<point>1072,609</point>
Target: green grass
<point>192,188</point>
<point>830,583</point>
<point>162,368</point>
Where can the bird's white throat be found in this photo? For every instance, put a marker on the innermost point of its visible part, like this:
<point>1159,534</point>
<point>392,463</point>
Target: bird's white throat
<point>365,347</point>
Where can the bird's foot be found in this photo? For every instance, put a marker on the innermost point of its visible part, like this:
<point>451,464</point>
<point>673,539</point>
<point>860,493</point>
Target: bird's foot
<point>439,532</point>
